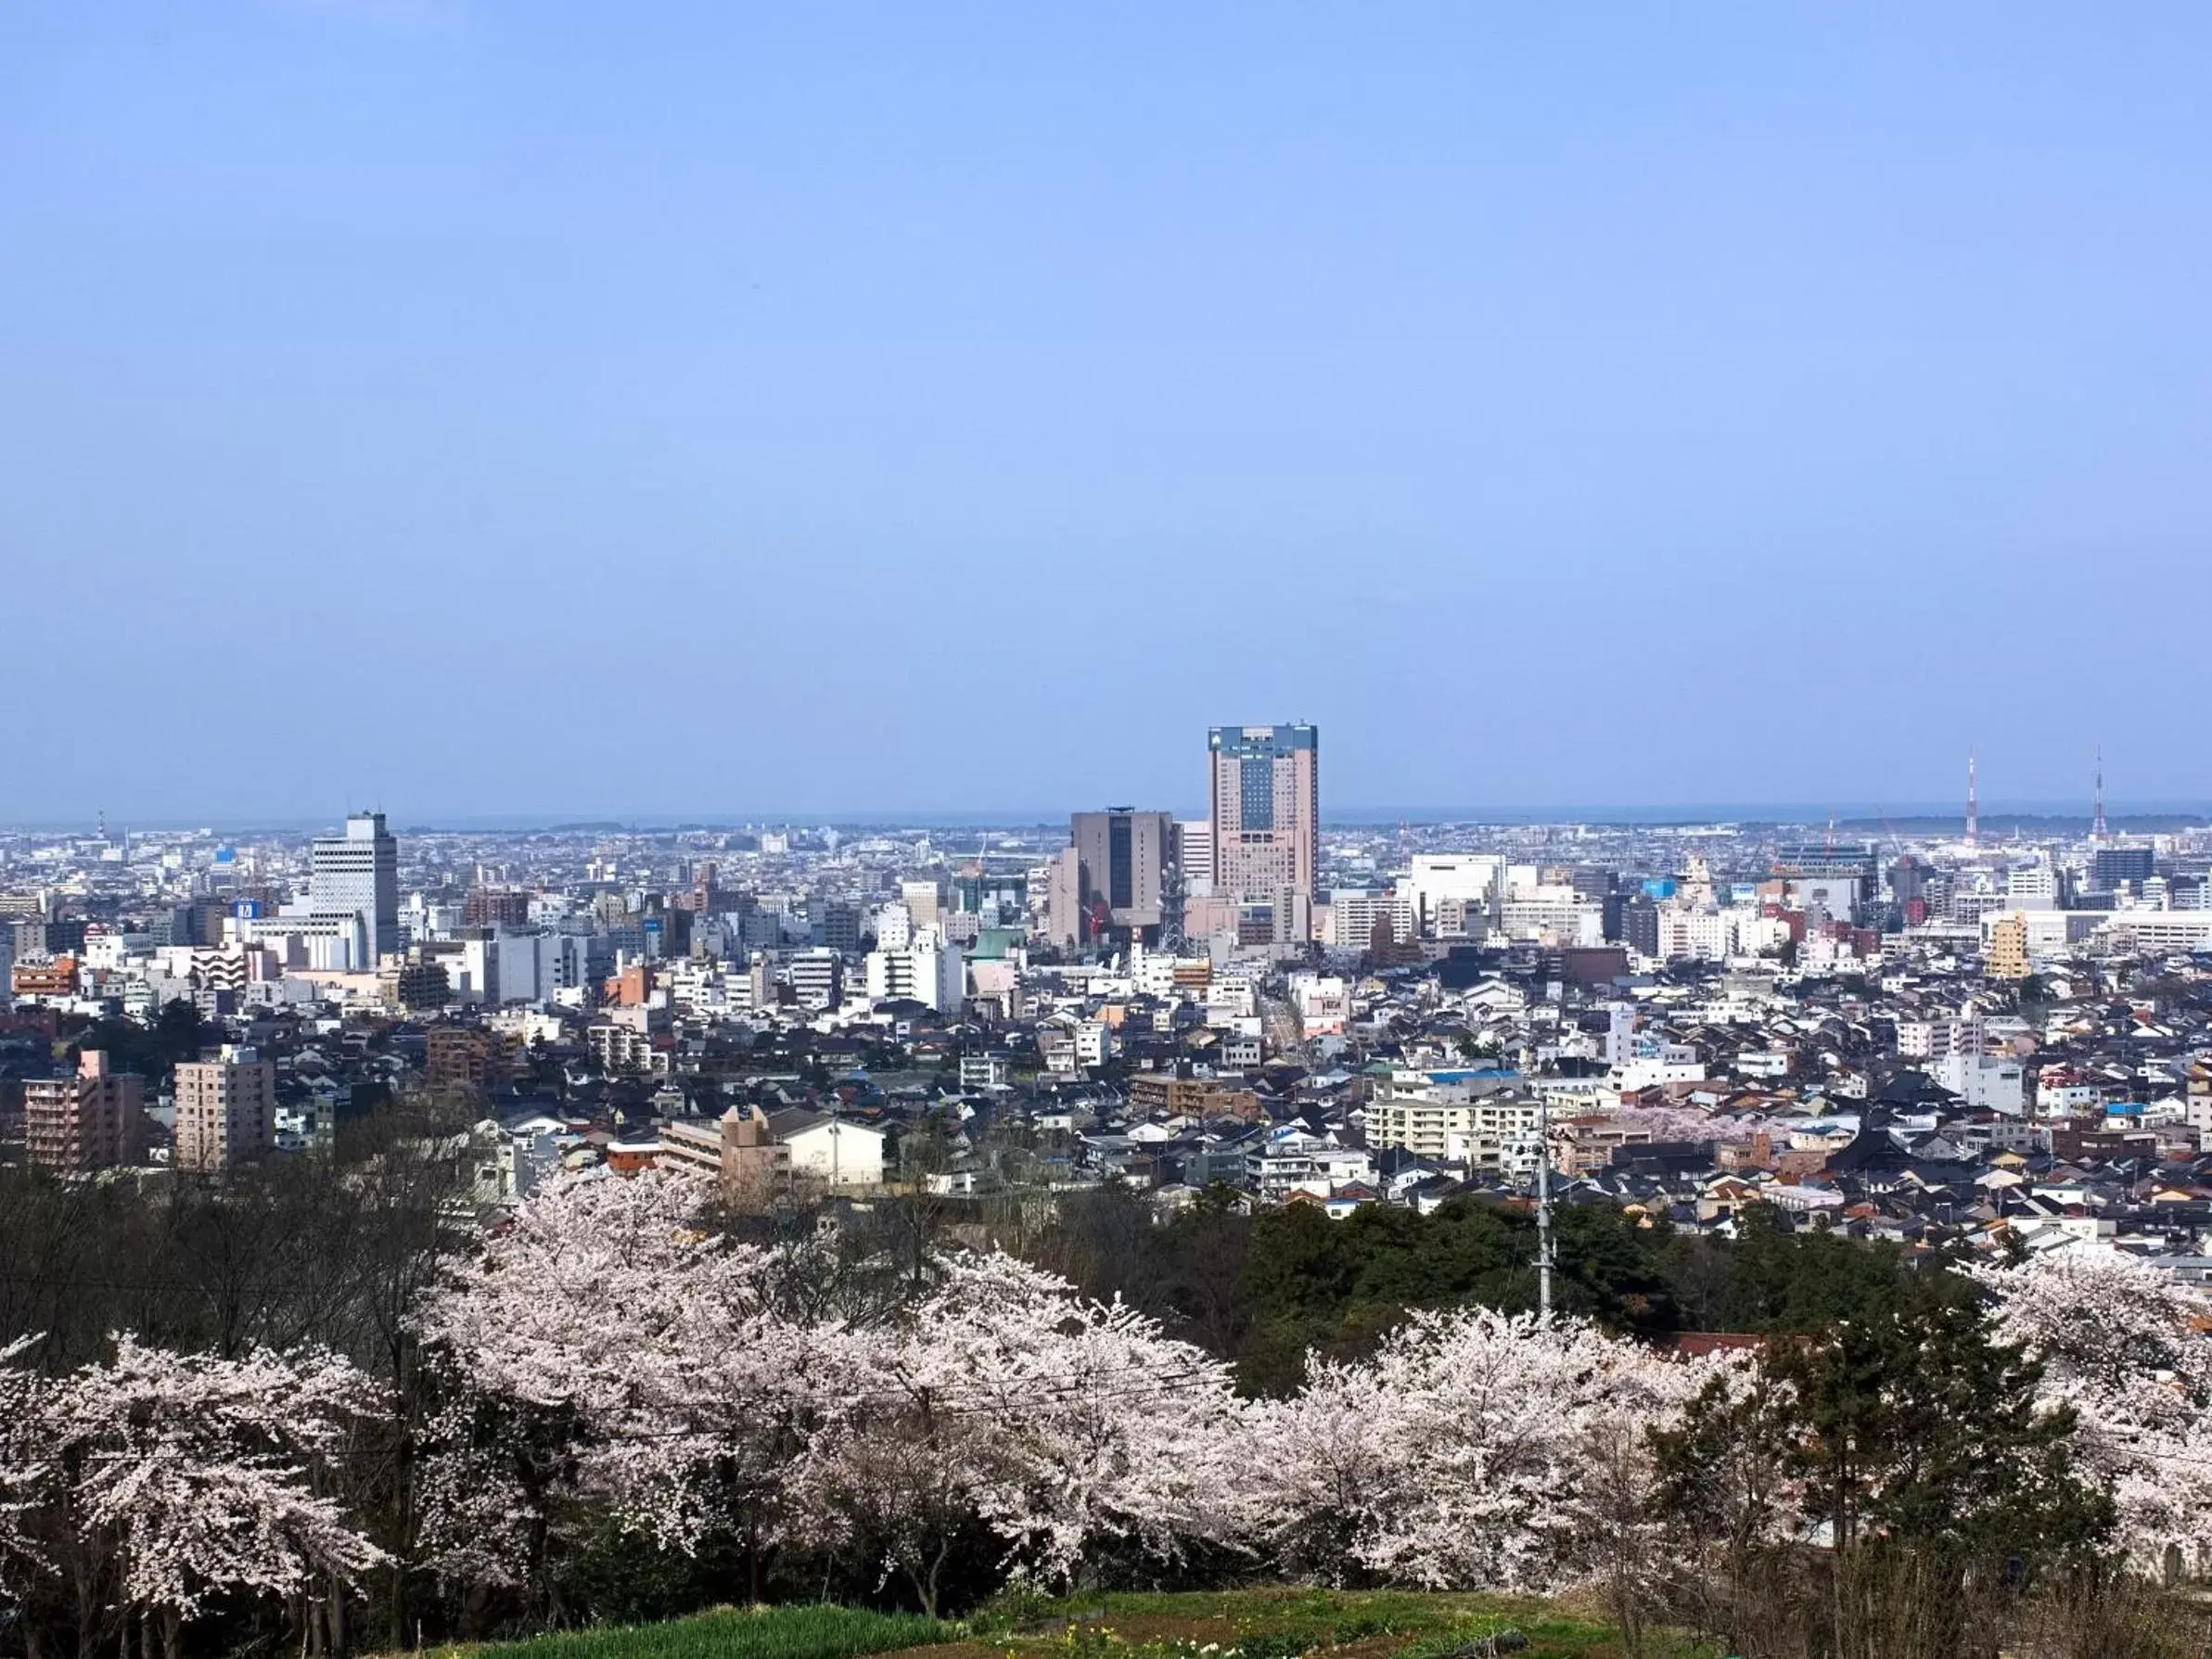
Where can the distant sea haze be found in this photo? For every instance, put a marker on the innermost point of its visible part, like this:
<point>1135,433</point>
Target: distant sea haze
<point>1919,818</point>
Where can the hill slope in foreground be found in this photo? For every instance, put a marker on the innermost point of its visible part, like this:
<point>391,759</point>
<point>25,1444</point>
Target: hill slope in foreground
<point>1250,1623</point>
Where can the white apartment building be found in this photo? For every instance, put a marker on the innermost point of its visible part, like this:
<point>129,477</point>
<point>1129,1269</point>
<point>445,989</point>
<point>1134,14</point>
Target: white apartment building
<point>1295,1162</point>
<point>929,970</point>
<point>986,1071</point>
<point>1936,1039</point>
<point>1093,1042</point>
<point>1554,916</point>
<point>1323,1003</point>
<point>1354,914</point>
<point>1194,843</point>
<point>1441,1114</point>
<point>1987,1082</point>
<point>1696,935</point>
<point>817,978</point>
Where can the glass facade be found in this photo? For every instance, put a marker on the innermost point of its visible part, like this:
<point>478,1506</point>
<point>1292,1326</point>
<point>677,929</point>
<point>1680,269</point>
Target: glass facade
<point>1257,792</point>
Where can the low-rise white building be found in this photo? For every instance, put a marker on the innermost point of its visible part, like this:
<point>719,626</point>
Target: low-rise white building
<point>831,1150</point>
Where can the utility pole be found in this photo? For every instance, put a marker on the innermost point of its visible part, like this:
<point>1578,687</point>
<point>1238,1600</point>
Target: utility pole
<point>1543,1208</point>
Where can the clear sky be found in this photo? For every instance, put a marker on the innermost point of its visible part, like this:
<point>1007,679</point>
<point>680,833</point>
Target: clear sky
<point>638,408</point>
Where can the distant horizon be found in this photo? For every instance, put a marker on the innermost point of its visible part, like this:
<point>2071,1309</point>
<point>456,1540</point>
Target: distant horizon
<point>1920,817</point>
<point>482,405</point>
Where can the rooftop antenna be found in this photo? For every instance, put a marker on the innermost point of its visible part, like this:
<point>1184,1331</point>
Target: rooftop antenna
<point>1974,808</point>
<point>2097,830</point>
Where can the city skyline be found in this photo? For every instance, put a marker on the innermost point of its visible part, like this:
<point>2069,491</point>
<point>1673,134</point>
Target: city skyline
<point>678,971</point>
<point>1995,806</point>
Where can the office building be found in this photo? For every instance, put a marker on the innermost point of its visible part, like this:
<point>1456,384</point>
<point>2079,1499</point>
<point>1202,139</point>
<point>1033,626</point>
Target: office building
<point>354,893</point>
<point>1266,800</point>
<point>924,901</point>
<point>46,941</point>
<point>1118,884</point>
<point>1000,897</point>
<point>1639,926</point>
<point>225,1111</point>
<point>496,907</point>
<point>1458,883</point>
<point>94,1120</point>
<point>2121,869</point>
<point>835,926</point>
<point>1837,879</point>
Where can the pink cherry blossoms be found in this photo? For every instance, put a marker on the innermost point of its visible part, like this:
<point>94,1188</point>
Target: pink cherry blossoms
<point>2128,1351</point>
<point>991,1396</point>
<point>191,1475</point>
<point>1459,1456</point>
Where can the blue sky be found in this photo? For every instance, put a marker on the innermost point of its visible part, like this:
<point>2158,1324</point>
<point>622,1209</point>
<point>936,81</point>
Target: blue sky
<point>495,408</point>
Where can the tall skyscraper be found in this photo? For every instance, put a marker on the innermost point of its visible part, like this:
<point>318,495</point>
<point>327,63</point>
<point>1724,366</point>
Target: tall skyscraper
<point>1266,791</point>
<point>358,874</point>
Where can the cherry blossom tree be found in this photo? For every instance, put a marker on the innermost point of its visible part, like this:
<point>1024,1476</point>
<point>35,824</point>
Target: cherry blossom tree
<point>994,1408</point>
<point>1688,1123</point>
<point>1458,1456</point>
<point>1061,1425</point>
<point>28,1470</point>
<point>204,1476</point>
<point>608,1307</point>
<point>488,1477</point>
<point>2128,1348</point>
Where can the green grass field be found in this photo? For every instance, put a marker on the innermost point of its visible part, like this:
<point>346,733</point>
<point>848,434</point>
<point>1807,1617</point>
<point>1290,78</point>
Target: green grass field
<point>735,1633</point>
<point>1250,1623</point>
<point>1283,1623</point>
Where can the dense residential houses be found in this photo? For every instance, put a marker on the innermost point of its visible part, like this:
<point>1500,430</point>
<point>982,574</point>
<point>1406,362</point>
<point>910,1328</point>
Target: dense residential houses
<point>1933,1039</point>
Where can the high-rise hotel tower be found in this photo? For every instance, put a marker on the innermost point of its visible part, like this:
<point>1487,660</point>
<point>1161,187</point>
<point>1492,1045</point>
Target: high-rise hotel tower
<point>1266,811</point>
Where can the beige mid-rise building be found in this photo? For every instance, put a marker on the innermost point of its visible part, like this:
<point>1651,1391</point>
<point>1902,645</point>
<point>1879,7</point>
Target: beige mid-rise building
<point>2007,957</point>
<point>225,1111</point>
<point>94,1120</point>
